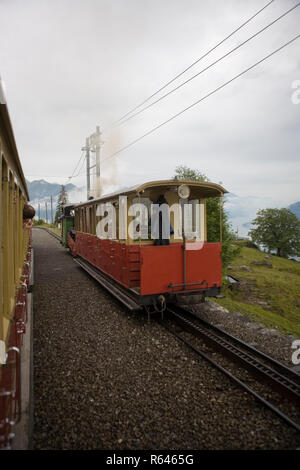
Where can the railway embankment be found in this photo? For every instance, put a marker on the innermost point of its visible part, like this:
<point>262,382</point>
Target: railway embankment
<point>267,292</point>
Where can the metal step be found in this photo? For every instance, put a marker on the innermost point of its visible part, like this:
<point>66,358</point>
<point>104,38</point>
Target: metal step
<point>114,289</point>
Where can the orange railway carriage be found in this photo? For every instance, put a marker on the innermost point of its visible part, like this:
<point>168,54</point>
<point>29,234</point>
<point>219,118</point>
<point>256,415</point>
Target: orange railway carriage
<point>145,271</point>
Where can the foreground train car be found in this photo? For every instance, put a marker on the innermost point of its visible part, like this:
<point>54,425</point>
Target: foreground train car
<point>149,271</point>
<point>15,261</point>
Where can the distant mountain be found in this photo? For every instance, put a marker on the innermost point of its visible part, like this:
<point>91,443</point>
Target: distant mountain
<point>241,210</point>
<point>40,192</point>
<point>295,208</point>
<point>40,189</point>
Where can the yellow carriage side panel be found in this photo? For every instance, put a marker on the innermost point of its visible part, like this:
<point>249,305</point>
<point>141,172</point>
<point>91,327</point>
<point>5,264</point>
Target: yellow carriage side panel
<point>1,247</point>
<point>13,239</point>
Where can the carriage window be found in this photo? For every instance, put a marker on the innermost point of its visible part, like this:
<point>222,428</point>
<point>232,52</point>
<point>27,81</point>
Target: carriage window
<point>194,218</point>
<point>88,220</point>
<point>92,220</point>
<point>83,221</point>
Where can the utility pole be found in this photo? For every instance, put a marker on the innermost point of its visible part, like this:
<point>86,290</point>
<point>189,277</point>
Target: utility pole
<point>39,211</point>
<point>93,144</point>
<point>88,176</point>
<point>97,149</point>
<point>88,167</point>
<point>51,212</point>
<point>46,213</point>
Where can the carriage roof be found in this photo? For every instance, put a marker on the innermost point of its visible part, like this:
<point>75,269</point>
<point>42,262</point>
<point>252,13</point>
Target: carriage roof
<point>207,188</point>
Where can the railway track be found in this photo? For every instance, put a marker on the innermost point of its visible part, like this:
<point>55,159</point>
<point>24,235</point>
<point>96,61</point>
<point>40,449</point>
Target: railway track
<point>262,367</point>
<point>53,234</point>
<point>50,232</point>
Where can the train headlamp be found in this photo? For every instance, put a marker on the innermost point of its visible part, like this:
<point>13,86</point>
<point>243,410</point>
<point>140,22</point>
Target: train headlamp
<point>183,191</point>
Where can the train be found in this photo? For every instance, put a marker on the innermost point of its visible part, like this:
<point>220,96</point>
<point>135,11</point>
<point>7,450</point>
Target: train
<point>15,274</point>
<point>148,244</point>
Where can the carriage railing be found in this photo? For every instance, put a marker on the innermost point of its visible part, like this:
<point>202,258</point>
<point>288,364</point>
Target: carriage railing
<point>10,372</point>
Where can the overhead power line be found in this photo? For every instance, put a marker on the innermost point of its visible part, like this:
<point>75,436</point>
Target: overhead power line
<point>77,165</point>
<point>63,176</point>
<point>211,65</point>
<point>154,129</point>
<point>193,64</point>
<point>80,172</point>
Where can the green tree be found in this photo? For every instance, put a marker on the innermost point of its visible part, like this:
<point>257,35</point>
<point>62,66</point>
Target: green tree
<point>229,251</point>
<point>61,202</point>
<point>277,230</point>
<point>183,172</point>
<point>38,222</point>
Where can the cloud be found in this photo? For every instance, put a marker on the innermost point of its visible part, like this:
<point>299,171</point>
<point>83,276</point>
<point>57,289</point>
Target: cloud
<point>70,65</point>
<point>242,210</point>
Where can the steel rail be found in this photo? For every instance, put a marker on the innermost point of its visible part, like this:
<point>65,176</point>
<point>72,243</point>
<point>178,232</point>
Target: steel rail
<point>53,234</point>
<point>277,380</point>
<point>284,370</point>
<point>219,343</point>
<point>236,380</point>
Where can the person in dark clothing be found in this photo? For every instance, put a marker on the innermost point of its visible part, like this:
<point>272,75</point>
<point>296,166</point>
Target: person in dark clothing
<point>161,225</point>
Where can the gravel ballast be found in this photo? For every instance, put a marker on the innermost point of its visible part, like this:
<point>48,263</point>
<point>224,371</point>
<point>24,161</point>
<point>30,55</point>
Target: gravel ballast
<point>106,379</point>
<point>268,340</point>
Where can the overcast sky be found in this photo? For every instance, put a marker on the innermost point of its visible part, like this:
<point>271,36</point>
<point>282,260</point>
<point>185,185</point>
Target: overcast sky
<point>69,65</point>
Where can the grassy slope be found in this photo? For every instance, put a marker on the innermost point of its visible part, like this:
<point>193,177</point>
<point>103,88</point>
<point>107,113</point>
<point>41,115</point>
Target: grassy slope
<point>268,295</point>
<point>56,230</point>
